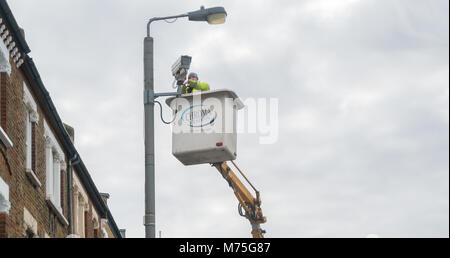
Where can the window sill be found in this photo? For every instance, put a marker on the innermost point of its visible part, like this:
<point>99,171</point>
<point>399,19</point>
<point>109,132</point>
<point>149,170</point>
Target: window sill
<point>33,178</point>
<point>57,211</point>
<point>5,139</point>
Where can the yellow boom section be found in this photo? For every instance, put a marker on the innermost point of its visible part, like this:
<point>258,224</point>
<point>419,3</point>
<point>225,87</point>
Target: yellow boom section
<point>249,206</point>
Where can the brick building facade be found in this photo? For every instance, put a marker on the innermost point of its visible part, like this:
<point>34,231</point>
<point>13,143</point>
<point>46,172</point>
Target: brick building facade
<point>45,188</point>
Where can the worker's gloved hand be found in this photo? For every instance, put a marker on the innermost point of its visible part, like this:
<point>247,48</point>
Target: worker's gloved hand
<point>192,86</point>
<point>189,86</point>
<point>192,83</point>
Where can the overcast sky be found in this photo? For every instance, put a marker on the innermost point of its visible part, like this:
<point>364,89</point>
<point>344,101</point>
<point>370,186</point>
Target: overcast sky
<point>363,90</point>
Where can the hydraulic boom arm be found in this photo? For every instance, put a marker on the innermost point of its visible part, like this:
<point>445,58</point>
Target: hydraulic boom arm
<point>249,206</point>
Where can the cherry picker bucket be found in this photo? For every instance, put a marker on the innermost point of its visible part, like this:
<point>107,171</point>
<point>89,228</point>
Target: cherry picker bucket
<point>204,130</point>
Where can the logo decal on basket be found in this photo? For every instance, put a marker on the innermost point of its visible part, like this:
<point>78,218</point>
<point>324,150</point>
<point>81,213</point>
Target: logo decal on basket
<point>199,116</point>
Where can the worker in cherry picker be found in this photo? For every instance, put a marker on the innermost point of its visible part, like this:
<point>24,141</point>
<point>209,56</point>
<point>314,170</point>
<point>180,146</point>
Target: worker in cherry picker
<point>193,85</point>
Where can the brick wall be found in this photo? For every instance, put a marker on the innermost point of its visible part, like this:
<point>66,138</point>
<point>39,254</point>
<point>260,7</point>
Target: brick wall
<point>3,225</point>
<point>12,164</point>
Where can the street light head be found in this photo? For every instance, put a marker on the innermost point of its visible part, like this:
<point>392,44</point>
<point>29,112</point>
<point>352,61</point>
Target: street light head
<point>217,18</point>
<point>214,15</point>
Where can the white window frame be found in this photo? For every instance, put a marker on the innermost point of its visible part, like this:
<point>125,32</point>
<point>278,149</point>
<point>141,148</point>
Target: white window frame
<point>29,223</point>
<point>5,67</point>
<point>81,204</point>
<point>80,208</point>
<point>5,205</point>
<point>3,136</point>
<point>31,117</point>
<point>55,165</point>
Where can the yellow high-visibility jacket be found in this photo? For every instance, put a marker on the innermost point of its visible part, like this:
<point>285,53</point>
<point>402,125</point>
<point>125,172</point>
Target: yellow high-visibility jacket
<point>195,87</point>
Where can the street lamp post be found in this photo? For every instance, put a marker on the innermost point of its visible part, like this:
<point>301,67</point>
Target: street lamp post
<point>215,15</point>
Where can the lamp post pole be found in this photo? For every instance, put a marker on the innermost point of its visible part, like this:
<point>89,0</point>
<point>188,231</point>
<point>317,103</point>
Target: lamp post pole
<point>149,117</point>
<point>214,15</point>
<point>149,134</point>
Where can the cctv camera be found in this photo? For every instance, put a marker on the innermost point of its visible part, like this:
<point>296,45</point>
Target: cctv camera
<point>180,68</point>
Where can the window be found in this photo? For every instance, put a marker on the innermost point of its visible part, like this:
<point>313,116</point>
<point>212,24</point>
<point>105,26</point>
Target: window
<point>3,79</point>
<point>61,192</point>
<point>3,85</point>
<point>52,225</point>
<point>5,71</point>
<point>95,225</point>
<point>86,226</point>
<point>53,173</point>
<point>80,215</point>
<point>28,140</point>
<point>81,208</point>
<point>33,146</point>
<point>55,166</point>
<point>31,119</point>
